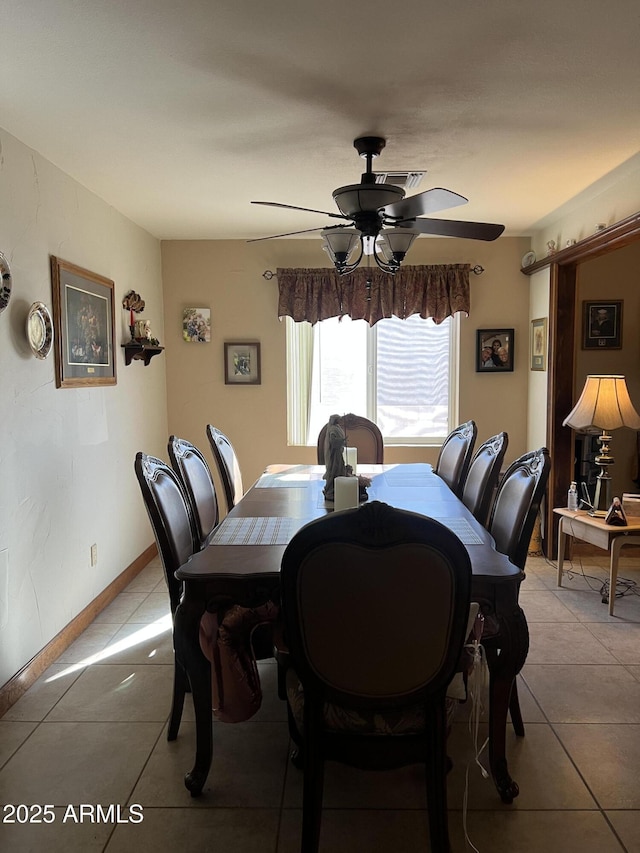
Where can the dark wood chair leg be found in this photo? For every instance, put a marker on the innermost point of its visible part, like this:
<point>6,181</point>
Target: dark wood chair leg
<point>312,795</point>
<point>436,781</point>
<point>180,688</point>
<point>514,710</point>
<point>499,697</point>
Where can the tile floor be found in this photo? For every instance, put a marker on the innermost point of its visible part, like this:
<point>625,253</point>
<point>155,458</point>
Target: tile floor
<point>92,731</point>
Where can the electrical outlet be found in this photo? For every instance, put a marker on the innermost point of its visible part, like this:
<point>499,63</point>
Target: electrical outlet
<point>94,555</point>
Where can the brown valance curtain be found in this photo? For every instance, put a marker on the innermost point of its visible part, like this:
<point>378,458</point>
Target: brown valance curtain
<point>436,290</point>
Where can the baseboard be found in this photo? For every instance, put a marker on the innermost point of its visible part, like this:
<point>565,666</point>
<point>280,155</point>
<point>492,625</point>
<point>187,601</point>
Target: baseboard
<point>30,672</point>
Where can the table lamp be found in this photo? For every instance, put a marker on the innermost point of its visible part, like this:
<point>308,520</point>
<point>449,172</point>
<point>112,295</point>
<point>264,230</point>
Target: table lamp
<point>604,405</point>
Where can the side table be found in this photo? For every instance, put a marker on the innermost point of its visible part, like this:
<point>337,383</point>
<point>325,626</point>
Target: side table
<point>580,525</point>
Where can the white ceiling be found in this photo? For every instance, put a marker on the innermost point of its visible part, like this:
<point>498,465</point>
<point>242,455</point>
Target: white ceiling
<point>180,113</point>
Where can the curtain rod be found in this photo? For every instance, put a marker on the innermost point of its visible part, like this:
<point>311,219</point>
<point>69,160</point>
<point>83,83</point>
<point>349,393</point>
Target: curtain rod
<point>269,274</point>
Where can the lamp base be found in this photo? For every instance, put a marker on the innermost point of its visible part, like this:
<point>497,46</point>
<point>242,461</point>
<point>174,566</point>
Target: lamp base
<point>597,513</point>
<point>603,481</point>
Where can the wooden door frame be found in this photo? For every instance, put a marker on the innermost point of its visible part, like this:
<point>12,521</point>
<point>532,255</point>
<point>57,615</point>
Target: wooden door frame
<point>563,273</point>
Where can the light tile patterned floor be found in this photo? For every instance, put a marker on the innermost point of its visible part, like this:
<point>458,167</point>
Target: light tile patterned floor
<point>92,731</point>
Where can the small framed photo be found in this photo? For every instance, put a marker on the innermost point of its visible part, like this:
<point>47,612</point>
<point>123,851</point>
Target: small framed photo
<point>539,344</point>
<point>494,350</point>
<point>196,325</point>
<point>84,326</point>
<point>242,364</point>
<point>602,325</point>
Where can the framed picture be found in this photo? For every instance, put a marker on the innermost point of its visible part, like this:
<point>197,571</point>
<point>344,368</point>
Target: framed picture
<point>83,321</point>
<point>602,325</point>
<point>494,350</point>
<point>539,344</point>
<point>196,325</point>
<point>242,364</point>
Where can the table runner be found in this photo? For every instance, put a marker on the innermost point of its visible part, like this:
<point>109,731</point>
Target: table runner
<point>257,531</point>
<point>462,529</point>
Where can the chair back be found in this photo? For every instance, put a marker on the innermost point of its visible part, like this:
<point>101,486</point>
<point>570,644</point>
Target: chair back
<point>342,577</point>
<point>227,465</point>
<point>361,433</point>
<point>170,517</point>
<point>192,469</point>
<point>482,479</point>
<point>455,456</point>
<point>517,503</point>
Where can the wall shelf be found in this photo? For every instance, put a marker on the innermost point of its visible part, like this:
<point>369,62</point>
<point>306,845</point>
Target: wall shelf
<point>141,352</point>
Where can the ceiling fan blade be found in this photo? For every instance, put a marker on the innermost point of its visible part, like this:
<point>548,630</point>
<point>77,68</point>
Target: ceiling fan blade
<point>288,234</point>
<point>430,201</point>
<point>454,228</point>
<point>308,209</point>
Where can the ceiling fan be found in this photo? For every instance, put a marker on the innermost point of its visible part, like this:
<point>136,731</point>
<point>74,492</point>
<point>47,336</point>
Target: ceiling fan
<point>381,221</point>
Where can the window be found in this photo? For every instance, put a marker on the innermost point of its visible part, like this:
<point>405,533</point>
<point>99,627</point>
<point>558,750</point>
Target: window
<point>402,374</point>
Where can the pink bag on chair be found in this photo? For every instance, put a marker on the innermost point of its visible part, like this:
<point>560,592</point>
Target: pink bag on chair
<point>235,683</point>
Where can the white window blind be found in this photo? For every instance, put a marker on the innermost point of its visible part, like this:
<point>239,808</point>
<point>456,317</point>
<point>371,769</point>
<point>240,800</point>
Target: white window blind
<point>402,374</point>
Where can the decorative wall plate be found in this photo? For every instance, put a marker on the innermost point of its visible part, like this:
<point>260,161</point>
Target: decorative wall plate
<point>528,259</point>
<point>39,330</point>
<point>5,287</point>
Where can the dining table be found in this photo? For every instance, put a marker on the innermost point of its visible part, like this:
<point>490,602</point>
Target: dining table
<point>241,565</point>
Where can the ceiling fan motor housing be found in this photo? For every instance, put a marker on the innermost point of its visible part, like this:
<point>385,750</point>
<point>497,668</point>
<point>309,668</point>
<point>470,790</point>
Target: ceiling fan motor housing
<point>355,199</point>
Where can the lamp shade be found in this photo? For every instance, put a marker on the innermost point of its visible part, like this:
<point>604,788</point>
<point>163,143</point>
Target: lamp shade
<point>396,242</point>
<point>340,242</point>
<point>605,404</point>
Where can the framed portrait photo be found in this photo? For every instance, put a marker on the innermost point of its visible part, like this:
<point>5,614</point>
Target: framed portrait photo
<point>494,350</point>
<point>539,344</point>
<point>196,325</point>
<point>84,326</point>
<point>602,325</point>
<point>242,364</point>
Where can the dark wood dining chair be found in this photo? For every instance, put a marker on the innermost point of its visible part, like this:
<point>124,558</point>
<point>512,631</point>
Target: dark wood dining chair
<point>246,632</point>
<point>511,522</point>
<point>482,479</point>
<point>362,434</point>
<point>356,695</point>
<point>192,469</point>
<point>517,502</point>
<point>455,456</point>
<point>227,464</point>
<point>172,524</point>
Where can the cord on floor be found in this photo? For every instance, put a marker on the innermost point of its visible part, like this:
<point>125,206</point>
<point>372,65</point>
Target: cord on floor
<point>624,586</point>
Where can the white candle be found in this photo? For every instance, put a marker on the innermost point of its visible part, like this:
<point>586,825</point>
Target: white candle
<point>345,492</point>
<point>351,458</point>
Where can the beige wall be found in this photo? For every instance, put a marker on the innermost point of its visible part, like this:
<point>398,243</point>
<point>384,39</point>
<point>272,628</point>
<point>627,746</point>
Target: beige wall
<point>226,276</point>
<point>67,478</point>
<point>611,199</point>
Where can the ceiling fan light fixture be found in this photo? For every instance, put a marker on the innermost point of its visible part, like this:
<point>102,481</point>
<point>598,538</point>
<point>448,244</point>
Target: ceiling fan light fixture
<point>365,198</point>
<point>340,244</point>
<point>394,243</point>
<point>383,223</point>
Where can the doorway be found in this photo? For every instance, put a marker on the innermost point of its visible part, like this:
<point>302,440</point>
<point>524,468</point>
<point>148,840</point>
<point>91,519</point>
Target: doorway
<point>563,269</point>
